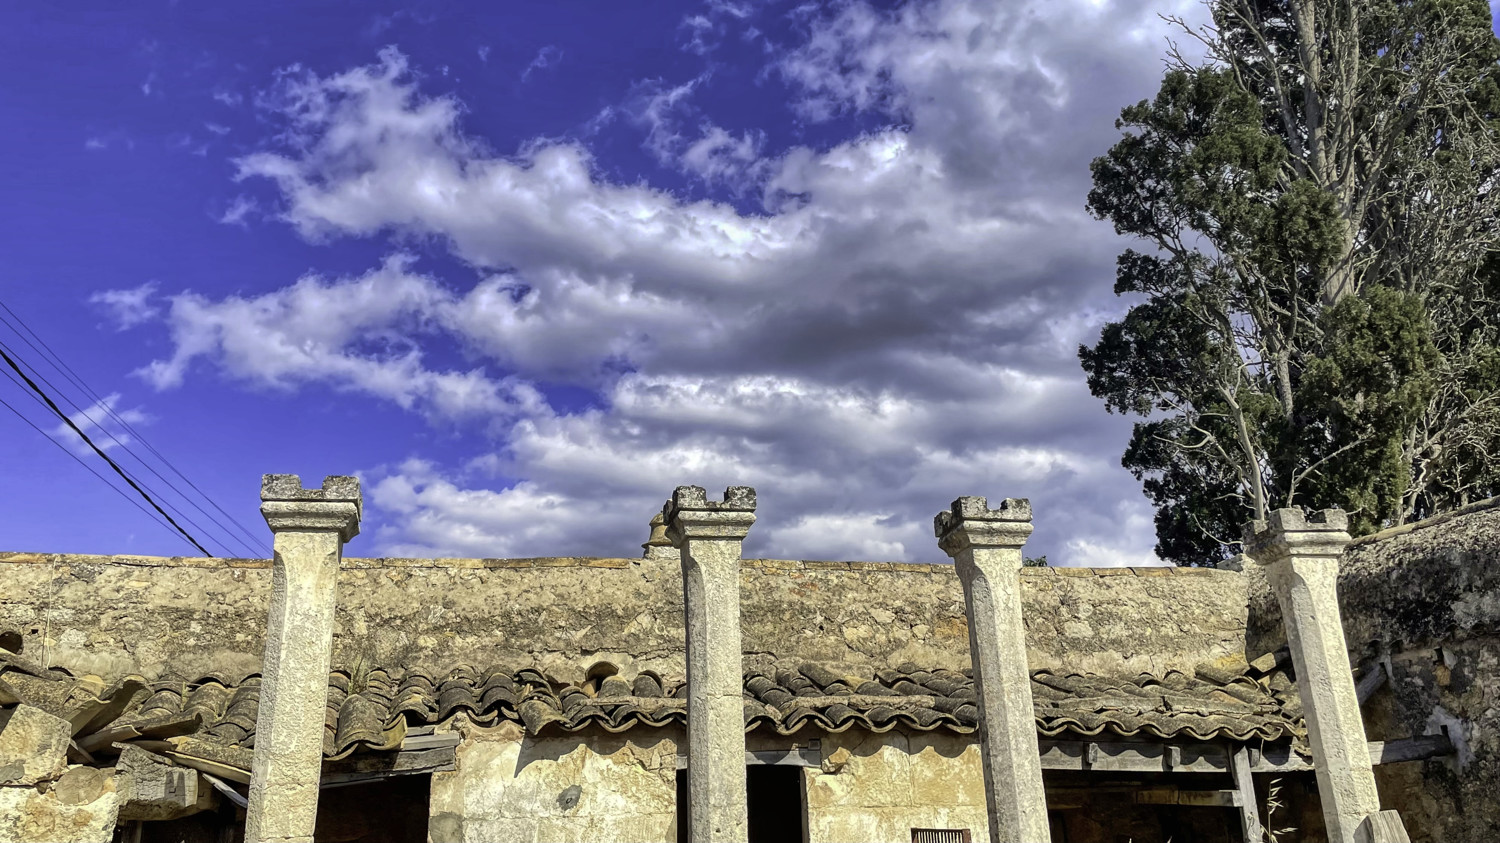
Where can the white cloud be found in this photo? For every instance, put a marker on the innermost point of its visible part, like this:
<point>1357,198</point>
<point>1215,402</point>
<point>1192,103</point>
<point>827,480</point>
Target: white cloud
<point>895,326</point>
<point>130,307</point>
<point>239,211</point>
<point>548,56</point>
<point>103,423</point>
<point>357,334</point>
<point>1136,531</point>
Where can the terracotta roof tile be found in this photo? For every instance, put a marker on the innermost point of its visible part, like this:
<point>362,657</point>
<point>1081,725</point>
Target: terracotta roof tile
<point>373,709</point>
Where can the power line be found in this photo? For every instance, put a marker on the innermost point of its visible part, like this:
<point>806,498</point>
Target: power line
<point>90,469</point>
<point>21,361</point>
<point>255,544</point>
<point>97,450</point>
<point>123,447</point>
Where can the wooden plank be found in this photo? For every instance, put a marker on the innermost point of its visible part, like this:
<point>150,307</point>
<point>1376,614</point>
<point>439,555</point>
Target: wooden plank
<point>797,756</point>
<point>1279,759</point>
<point>1193,798</point>
<point>414,743</point>
<point>359,769</point>
<point>1133,757</point>
<point>1410,749</point>
<point>1369,682</point>
<point>230,793</point>
<point>1249,806</point>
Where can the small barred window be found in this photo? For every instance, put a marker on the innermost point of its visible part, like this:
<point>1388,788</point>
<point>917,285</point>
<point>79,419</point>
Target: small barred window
<point>940,835</point>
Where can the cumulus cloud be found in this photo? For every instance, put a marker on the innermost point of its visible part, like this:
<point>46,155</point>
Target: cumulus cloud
<point>362,334</point>
<point>129,307</point>
<point>103,423</point>
<point>895,325</point>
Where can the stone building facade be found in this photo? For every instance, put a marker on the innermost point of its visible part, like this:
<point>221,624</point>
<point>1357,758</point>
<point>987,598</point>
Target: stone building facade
<point>551,699</point>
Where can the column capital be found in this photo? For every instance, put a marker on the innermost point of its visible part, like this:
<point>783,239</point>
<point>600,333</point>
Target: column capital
<point>970,523</point>
<point>1295,534</point>
<point>690,515</point>
<point>336,507</point>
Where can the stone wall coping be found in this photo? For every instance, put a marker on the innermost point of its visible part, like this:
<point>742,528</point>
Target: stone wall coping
<point>769,565</point>
<point>1433,521</point>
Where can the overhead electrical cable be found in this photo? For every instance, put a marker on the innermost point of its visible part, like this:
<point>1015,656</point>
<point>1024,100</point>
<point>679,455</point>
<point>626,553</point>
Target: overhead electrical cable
<point>146,487</point>
<point>125,448</point>
<point>90,469</point>
<point>97,450</point>
<point>255,544</point>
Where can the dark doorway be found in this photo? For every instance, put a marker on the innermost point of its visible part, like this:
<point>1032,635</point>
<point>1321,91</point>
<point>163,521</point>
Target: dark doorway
<point>775,803</point>
<point>390,810</point>
<point>775,797</point>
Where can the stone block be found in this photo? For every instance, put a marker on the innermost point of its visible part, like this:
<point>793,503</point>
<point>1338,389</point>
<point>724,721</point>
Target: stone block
<point>1383,827</point>
<point>83,785</point>
<point>695,498</point>
<point>288,487</point>
<point>82,807</point>
<point>1296,526</point>
<point>151,788</point>
<point>977,508</point>
<point>33,745</point>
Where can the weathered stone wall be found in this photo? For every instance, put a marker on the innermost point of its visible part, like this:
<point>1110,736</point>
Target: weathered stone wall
<point>510,788</point>
<point>112,615</point>
<point>879,787</point>
<point>1427,601</point>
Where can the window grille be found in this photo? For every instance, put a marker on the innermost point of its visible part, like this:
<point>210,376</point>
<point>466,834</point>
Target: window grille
<point>940,835</point>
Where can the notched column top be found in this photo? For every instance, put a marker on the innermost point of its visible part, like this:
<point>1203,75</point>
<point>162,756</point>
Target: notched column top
<point>977,508</point>
<point>288,487</point>
<point>970,522</point>
<point>695,498</point>
<point>337,505</point>
<point>1290,531</point>
<point>690,514</point>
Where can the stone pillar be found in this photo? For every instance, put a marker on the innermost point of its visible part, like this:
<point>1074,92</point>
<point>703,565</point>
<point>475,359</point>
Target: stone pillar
<point>311,527</point>
<point>708,535</point>
<point>1300,554</point>
<point>986,548</point>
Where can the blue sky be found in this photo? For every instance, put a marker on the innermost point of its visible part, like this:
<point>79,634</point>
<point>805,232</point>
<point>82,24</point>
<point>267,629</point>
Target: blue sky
<point>525,267</point>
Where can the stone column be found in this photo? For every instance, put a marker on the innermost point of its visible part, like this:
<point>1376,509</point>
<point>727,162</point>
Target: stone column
<point>708,535</point>
<point>310,526</point>
<point>986,548</point>
<point>1300,554</point>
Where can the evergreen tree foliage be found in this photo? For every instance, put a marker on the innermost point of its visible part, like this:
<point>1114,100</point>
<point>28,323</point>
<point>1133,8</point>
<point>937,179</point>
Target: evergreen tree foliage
<point>1316,298</point>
